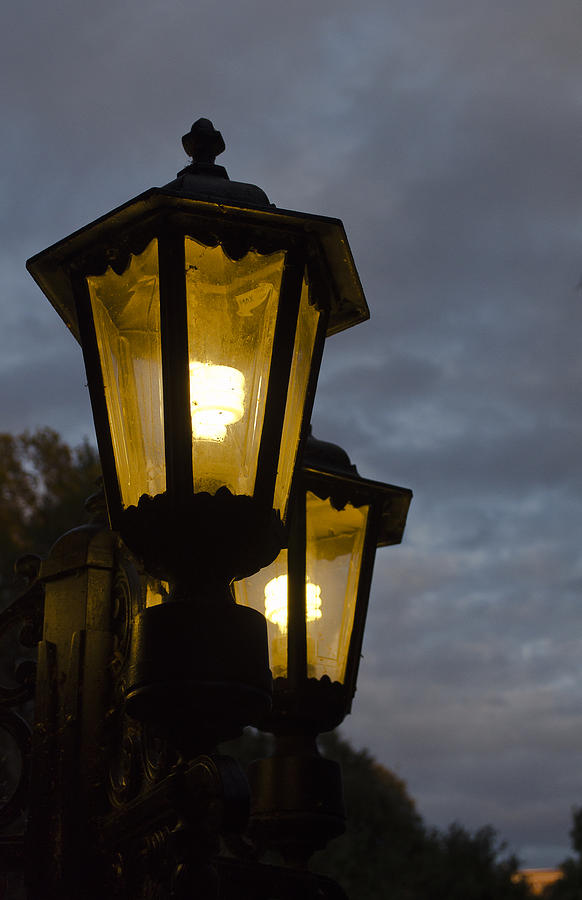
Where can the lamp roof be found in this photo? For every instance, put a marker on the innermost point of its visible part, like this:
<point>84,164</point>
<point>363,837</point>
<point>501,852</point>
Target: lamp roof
<point>202,191</point>
<point>329,464</point>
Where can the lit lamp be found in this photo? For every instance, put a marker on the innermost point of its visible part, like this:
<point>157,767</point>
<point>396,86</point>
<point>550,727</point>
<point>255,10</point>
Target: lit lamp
<point>315,599</point>
<point>202,311</point>
<point>315,594</point>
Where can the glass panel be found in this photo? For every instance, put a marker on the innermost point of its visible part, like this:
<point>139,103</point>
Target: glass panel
<point>267,592</point>
<point>300,370</point>
<point>156,591</point>
<point>335,543</point>
<point>232,310</point>
<point>126,311</point>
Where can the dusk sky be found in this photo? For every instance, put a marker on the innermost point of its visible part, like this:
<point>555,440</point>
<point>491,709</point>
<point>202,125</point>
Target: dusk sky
<point>447,135</point>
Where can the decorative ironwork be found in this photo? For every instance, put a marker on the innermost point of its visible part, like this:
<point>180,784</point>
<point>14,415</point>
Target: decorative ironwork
<point>20,631</point>
<point>14,765</point>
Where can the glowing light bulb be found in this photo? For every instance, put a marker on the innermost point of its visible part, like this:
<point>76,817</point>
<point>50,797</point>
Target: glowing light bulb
<point>312,601</point>
<point>276,601</point>
<point>217,395</point>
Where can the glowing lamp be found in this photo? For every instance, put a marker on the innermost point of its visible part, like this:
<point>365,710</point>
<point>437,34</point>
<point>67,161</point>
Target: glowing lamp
<point>202,311</point>
<point>315,594</point>
<point>315,598</point>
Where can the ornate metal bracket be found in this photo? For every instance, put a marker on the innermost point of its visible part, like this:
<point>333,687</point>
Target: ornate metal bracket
<point>20,631</point>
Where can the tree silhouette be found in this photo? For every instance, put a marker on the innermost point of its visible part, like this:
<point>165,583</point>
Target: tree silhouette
<point>569,886</point>
<point>43,486</point>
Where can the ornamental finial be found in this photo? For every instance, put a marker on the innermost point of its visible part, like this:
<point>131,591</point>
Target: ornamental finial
<point>203,142</point>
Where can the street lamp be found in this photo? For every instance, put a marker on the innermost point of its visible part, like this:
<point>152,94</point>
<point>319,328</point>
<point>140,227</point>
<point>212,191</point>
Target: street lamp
<point>315,598</point>
<point>315,594</point>
<point>202,312</point>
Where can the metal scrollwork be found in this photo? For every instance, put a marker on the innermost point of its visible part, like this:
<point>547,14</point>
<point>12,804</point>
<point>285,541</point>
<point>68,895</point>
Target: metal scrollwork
<point>15,737</point>
<point>138,757</point>
<point>20,631</point>
<point>126,596</point>
<point>157,757</point>
<point>124,774</point>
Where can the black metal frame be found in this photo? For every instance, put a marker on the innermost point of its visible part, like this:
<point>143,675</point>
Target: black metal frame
<point>23,617</point>
<point>280,369</point>
<point>174,341</point>
<point>130,227</point>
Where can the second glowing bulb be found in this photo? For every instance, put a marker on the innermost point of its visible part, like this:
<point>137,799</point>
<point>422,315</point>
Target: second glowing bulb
<point>276,601</point>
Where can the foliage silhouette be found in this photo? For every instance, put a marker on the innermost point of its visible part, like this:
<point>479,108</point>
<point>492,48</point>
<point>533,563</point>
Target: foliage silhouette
<point>569,886</point>
<point>43,487</point>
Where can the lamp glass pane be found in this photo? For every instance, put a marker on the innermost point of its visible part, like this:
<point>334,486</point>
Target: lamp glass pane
<point>126,313</point>
<point>334,550</point>
<point>305,337</point>
<point>267,593</point>
<point>232,311</point>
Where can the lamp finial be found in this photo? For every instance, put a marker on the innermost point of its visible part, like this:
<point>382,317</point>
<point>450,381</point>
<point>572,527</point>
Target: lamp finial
<point>203,142</point>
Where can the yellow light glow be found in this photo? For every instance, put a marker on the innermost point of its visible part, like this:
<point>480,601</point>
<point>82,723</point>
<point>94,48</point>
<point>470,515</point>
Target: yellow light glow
<point>217,395</point>
<point>276,601</point>
<point>156,592</point>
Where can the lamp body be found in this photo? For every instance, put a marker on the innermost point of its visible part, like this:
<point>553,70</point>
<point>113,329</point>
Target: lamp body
<point>315,594</point>
<point>202,312</point>
<point>195,342</point>
<point>202,326</point>
<point>315,598</point>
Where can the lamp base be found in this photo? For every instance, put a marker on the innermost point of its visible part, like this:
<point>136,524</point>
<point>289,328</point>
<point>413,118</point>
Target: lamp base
<point>201,533</point>
<point>313,706</point>
<point>296,804</point>
<point>198,673</point>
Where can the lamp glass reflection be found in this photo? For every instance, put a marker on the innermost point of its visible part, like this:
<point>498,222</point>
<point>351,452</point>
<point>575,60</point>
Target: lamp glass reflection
<point>267,593</point>
<point>126,312</point>
<point>232,311</point>
<point>333,556</point>
<point>334,549</point>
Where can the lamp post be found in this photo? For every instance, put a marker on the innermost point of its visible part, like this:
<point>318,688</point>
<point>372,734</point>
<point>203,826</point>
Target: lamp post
<point>315,598</point>
<point>201,310</point>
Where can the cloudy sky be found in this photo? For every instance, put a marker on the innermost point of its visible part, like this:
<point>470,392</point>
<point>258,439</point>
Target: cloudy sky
<point>447,136</point>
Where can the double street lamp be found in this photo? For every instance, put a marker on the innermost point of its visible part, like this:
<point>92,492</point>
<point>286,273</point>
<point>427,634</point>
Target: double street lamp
<point>202,312</point>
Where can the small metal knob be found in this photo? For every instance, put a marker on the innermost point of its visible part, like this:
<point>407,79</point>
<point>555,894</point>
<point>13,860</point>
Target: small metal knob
<point>203,142</point>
